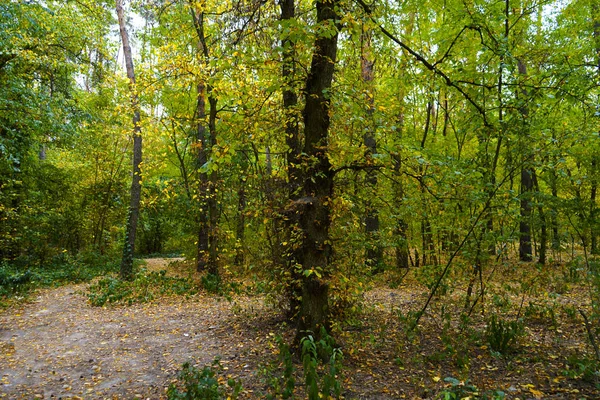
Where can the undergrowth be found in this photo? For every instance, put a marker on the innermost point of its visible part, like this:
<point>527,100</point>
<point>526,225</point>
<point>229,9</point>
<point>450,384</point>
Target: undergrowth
<point>145,287</point>
<point>205,384</point>
<point>20,278</point>
<point>321,369</point>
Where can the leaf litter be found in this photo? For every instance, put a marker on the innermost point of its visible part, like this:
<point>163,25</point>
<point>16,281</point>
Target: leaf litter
<point>60,347</point>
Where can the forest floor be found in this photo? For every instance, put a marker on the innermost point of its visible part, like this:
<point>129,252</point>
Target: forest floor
<point>58,346</point>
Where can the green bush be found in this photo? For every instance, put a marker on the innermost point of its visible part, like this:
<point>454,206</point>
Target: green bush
<point>146,286</point>
<point>465,390</point>
<point>195,384</point>
<point>312,352</point>
<point>17,280</point>
<point>503,335</point>
<point>212,283</point>
<point>282,385</point>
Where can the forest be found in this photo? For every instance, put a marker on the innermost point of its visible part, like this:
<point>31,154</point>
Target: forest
<point>320,199</point>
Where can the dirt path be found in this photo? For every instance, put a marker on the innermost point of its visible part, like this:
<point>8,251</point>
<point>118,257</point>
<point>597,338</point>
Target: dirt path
<point>61,347</point>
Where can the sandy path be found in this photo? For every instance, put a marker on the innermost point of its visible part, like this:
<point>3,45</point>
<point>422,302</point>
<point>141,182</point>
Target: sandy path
<point>61,347</point>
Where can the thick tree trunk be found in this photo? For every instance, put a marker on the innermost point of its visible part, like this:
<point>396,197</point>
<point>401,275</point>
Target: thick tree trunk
<point>136,182</point>
<point>317,188</point>
<point>374,253</point>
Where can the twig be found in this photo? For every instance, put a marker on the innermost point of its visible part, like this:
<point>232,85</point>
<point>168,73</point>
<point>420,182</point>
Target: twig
<point>590,334</point>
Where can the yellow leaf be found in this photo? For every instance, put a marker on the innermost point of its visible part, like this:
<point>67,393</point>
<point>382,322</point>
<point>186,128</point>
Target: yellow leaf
<point>536,393</point>
<point>436,378</point>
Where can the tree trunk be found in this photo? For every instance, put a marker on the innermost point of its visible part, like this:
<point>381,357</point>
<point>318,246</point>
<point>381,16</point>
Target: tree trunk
<point>292,140</point>
<point>401,230</point>
<point>207,254</point>
<point>428,248</point>
<point>374,254</point>
<point>136,182</point>
<point>525,248</point>
<point>401,225</point>
<point>595,224</point>
<point>290,101</point>
<point>554,212</point>
<point>241,213</point>
<point>317,188</point>
<point>201,159</point>
<point>543,224</point>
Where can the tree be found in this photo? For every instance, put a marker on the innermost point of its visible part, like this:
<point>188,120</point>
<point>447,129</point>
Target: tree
<point>136,181</point>
<point>374,255</point>
<point>206,139</point>
<point>317,179</point>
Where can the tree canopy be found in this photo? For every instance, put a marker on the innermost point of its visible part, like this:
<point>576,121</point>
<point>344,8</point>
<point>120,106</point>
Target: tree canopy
<point>317,144</point>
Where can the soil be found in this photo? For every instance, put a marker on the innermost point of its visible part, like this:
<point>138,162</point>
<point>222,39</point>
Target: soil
<point>58,346</point>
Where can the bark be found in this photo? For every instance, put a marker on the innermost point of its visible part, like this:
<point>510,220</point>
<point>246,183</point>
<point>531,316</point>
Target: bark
<point>402,260</point>
<point>595,225</point>
<point>554,212</point>
<point>201,159</point>
<point>374,254</point>
<point>401,230</point>
<point>525,247</point>
<point>543,224</point>
<point>136,182</point>
<point>292,140</point>
<point>428,248</point>
<point>290,101</point>
<point>207,254</point>
<point>593,208</point>
<point>241,222</point>
<point>317,188</point>
<point>489,226</point>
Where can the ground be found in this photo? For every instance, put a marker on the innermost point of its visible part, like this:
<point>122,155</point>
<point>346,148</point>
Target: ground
<point>59,346</point>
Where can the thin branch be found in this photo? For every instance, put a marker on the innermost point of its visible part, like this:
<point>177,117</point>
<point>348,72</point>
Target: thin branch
<point>426,64</point>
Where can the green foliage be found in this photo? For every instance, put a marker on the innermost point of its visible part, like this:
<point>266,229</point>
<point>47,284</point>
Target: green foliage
<point>212,283</point>
<point>282,384</point>
<point>62,269</point>
<point>582,367</point>
<point>428,275</point>
<point>321,368</point>
<point>503,335</point>
<point>541,312</point>
<point>312,352</point>
<point>145,287</point>
<point>195,384</point>
<point>465,390</point>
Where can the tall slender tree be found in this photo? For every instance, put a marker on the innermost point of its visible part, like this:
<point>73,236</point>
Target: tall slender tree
<point>136,181</point>
<point>374,254</point>
<point>207,254</point>
<point>525,246</point>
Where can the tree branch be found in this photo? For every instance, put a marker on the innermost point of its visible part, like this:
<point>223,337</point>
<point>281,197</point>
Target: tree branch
<point>432,67</point>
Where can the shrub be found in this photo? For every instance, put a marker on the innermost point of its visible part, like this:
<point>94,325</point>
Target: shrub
<point>202,384</point>
<point>146,286</point>
<point>503,335</point>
